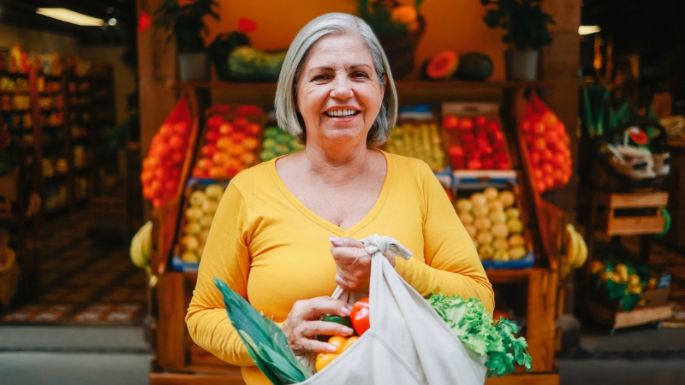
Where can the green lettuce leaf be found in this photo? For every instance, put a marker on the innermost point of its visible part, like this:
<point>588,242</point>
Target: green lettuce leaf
<point>473,325</point>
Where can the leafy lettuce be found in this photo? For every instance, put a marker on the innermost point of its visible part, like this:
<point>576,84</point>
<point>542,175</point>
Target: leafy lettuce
<point>473,325</point>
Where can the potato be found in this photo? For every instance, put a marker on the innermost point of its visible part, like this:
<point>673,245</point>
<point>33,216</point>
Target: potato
<point>463,204</point>
<point>479,199</point>
<point>500,244</point>
<point>189,257</point>
<point>480,211</point>
<point>500,230</point>
<point>192,228</point>
<point>495,207</point>
<point>466,217</point>
<point>517,240</point>
<point>190,242</point>
<point>517,253</point>
<point>497,217</point>
<point>485,252</point>
<point>209,206</point>
<point>507,198</point>
<point>515,226</point>
<point>513,212</point>
<point>214,191</point>
<point>490,193</point>
<point>193,213</point>
<point>484,238</point>
<point>197,198</point>
<point>482,223</point>
<point>500,256</point>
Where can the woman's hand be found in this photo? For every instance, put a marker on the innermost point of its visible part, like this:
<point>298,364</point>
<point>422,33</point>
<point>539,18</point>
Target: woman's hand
<point>303,324</point>
<point>353,264</point>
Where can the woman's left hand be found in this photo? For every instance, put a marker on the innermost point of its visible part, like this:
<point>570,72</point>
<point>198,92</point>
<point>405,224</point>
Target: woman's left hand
<point>353,264</point>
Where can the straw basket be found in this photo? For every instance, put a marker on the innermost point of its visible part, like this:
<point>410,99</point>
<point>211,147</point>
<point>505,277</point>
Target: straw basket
<point>400,51</point>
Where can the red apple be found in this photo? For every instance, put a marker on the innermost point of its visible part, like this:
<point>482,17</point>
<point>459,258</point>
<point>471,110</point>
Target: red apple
<point>450,122</point>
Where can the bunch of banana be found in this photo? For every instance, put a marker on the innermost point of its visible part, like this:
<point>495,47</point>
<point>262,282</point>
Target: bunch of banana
<point>141,249</point>
<point>576,251</point>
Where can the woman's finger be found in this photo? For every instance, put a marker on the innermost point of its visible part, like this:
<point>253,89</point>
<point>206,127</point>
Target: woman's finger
<point>345,242</point>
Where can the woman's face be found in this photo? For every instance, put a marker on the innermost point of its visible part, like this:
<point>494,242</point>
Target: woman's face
<point>338,92</point>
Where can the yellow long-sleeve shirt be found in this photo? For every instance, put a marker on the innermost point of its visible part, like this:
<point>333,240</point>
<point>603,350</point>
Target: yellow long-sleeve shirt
<point>271,249</point>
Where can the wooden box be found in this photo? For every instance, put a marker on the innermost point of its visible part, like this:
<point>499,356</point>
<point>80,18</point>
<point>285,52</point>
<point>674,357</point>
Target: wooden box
<point>631,213</point>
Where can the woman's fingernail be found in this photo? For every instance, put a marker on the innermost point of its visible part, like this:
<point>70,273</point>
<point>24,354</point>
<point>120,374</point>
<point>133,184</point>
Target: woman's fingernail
<point>334,239</point>
<point>345,310</point>
<point>331,348</point>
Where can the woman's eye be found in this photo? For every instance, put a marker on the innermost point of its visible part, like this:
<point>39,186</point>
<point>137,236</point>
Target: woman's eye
<point>321,77</point>
<point>360,74</point>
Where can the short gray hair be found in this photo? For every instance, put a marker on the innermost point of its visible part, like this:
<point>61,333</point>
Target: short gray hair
<point>333,23</point>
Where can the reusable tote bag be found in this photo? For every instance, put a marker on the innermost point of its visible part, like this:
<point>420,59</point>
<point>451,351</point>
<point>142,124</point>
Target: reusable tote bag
<point>407,343</point>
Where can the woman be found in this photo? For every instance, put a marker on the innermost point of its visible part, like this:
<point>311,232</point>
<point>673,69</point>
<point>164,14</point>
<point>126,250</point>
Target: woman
<point>285,233</point>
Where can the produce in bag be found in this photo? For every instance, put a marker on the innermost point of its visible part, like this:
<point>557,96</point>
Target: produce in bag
<point>546,143</point>
<point>398,348</point>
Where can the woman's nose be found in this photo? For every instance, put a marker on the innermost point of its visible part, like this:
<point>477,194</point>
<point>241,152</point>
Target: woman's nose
<point>342,88</point>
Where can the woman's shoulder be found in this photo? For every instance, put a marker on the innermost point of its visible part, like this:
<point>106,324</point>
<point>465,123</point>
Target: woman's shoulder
<point>408,164</point>
<point>255,176</point>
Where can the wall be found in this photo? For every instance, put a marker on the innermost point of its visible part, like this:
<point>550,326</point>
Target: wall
<point>43,42</point>
<point>450,24</point>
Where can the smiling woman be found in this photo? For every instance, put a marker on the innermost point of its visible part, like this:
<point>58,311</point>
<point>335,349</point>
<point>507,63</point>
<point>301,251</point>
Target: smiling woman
<point>287,231</point>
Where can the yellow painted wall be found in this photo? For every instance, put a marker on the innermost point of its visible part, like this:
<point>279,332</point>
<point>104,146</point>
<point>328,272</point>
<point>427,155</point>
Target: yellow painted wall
<point>451,24</point>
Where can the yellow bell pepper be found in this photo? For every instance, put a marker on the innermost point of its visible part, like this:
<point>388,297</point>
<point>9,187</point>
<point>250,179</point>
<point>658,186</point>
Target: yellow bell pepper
<point>341,344</point>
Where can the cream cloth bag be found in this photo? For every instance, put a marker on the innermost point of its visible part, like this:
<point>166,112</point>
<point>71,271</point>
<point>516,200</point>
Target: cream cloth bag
<point>407,343</point>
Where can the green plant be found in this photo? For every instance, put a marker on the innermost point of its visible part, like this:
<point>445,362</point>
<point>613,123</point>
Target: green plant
<point>385,20</point>
<point>524,21</point>
<point>185,20</point>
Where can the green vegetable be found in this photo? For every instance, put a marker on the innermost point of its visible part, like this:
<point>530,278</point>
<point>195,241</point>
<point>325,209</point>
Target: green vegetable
<point>473,325</point>
<point>266,343</point>
<point>248,63</point>
<point>336,319</point>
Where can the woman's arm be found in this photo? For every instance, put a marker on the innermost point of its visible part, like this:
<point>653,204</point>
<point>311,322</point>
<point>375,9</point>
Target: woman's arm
<point>452,264</point>
<point>225,256</point>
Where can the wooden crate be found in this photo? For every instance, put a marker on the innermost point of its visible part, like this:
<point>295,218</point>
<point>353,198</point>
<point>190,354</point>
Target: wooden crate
<point>621,216</point>
<point>617,319</point>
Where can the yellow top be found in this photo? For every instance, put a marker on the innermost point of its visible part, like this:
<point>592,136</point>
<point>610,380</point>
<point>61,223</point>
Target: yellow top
<point>271,249</point>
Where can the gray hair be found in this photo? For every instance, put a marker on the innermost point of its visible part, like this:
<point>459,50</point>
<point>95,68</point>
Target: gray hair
<point>333,23</point>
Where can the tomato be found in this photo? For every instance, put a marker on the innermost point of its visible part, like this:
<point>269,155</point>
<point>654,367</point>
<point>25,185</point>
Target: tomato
<point>450,122</point>
<point>360,315</point>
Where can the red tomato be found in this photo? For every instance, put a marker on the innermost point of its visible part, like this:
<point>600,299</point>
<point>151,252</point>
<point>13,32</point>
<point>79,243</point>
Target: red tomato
<point>479,121</point>
<point>214,121</point>
<point>450,122</point>
<point>225,129</point>
<point>466,124</point>
<point>360,315</point>
<point>474,164</point>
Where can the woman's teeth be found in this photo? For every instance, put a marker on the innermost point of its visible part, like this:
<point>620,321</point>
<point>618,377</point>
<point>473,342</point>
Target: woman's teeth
<point>341,113</point>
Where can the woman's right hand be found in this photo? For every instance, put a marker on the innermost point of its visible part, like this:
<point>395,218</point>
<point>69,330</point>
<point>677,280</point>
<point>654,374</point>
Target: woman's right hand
<point>303,324</point>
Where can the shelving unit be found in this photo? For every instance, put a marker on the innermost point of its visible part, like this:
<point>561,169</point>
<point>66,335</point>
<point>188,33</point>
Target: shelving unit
<point>619,214</point>
<point>179,361</point>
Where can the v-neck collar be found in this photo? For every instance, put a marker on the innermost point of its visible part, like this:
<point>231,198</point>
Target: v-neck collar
<point>335,229</point>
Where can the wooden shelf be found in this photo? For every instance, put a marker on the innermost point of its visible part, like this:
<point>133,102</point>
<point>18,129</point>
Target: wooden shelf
<point>409,91</point>
<point>508,275</point>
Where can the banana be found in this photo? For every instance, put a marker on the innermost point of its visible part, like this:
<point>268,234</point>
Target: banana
<point>136,251</point>
<point>146,241</point>
<point>582,253</point>
<point>572,248</point>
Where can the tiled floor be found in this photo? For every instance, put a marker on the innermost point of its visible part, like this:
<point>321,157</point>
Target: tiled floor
<point>83,276</point>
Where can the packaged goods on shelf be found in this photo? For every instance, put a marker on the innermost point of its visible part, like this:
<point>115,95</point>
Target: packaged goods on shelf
<point>473,137</point>
<point>417,135</point>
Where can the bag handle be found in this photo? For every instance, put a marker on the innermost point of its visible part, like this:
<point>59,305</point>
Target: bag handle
<point>376,245</point>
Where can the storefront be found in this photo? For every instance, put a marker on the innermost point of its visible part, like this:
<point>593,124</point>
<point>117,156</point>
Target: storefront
<point>560,147</point>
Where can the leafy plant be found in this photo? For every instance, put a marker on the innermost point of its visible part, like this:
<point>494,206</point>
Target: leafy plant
<point>378,14</point>
<point>185,20</point>
<point>473,325</point>
<point>524,21</point>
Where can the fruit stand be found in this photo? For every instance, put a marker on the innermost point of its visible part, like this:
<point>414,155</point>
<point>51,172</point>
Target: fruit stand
<point>523,266</point>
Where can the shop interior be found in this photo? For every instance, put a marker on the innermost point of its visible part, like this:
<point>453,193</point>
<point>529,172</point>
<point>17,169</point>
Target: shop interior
<point>564,162</point>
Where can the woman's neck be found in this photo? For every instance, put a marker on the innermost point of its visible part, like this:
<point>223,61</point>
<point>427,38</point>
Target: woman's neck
<point>337,167</point>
